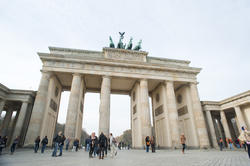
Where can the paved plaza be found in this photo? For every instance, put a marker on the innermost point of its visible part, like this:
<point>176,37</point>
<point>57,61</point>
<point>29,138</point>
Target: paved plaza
<point>26,157</point>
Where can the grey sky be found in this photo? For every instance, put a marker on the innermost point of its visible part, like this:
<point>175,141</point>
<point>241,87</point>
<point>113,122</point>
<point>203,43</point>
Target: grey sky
<point>212,34</point>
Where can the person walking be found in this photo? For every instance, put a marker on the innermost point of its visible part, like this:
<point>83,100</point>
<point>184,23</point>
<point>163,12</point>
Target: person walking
<point>5,139</point>
<point>87,143</point>
<point>147,141</point>
<point>13,146</point>
<point>245,137</point>
<point>112,143</point>
<point>221,144</point>
<point>244,144</point>
<point>56,141</point>
<point>106,146</point>
<point>76,145</point>
<point>36,145</point>
<point>183,142</point>
<point>102,144</point>
<point>93,144</point>
<point>230,143</point>
<point>67,142</point>
<point>61,144</point>
<point>44,143</point>
<point>1,145</point>
<point>237,143</point>
<point>152,142</point>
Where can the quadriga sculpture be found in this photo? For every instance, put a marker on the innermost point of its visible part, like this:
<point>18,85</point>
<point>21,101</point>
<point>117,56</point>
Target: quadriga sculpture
<point>138,46</point>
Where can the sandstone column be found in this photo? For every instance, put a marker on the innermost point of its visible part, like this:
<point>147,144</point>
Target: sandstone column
<point>38,109</point>
<point>172,113</point>
<point>6,122</point>
<point>225,124</point>
<point>145,110</point>
<point>11,127</point>
<point>104,110</point>
<point>199,118</point>
<point>2,103</point>
<point>211,129</point>
<point>20,121</point>
<point>240,118</point>
<point>71,126</point>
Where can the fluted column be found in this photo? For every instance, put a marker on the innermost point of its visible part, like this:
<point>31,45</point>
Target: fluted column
<point>225,124</point>
<point>6,122</point>
<point>2,103</point>
<point>211,129</point>
<point>71,126</point>
<point>145,110</point>
<point>241,120</point>
<point>172,113</point>
<point>104,110</point>
<point>199,118</point>
<point>20,121</point>
<point>38,109</point>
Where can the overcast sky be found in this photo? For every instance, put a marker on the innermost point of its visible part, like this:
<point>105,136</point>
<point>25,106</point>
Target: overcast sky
<point>212,34</point>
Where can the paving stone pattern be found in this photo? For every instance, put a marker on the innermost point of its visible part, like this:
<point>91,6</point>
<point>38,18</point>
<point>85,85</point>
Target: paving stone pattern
<point>26,157</point>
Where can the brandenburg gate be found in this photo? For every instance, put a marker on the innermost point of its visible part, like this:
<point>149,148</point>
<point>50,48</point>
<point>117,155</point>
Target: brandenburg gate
<point>171,84</point>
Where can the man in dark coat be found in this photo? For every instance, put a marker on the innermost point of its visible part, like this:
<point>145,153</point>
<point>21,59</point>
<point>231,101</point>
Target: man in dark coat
<point>61,144</point>
<point>1,145</point>
<point>76,144</point>
<point>102,144</point>
<point>37,142</point>
<point>57,140</point>
<point>13,146</point>
<point>44,143</point>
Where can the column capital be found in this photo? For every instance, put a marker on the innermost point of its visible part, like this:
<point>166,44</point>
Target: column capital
<point>77,74</point>
<point>46,72</point>
<point>143,79</point>
<point>237,107</point>
<point>193,83</point>
<point>168,81</point>
<point>106,76</point>
<point>49,74</point>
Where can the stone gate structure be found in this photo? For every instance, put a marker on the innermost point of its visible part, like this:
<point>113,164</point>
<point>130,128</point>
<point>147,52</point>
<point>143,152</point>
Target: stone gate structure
<point>171,84</point>
<point>124,72</point>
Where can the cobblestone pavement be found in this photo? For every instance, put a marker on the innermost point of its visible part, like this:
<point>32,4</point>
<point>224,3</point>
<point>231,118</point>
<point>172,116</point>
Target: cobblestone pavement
<point>26,157</point>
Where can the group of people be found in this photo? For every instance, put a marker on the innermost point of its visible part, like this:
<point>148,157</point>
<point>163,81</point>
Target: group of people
<point>4,141</point>
<point>100,145</point>
<point>150,142</point>
<point>123,145</point>
<point>239,142</point>
<point>43,143</point>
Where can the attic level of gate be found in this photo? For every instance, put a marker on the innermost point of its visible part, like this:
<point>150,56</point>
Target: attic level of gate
<point>124,66</point>
<point>116,54</point>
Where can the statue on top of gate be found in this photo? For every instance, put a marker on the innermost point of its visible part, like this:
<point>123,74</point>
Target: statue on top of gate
<point>120,44</point>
